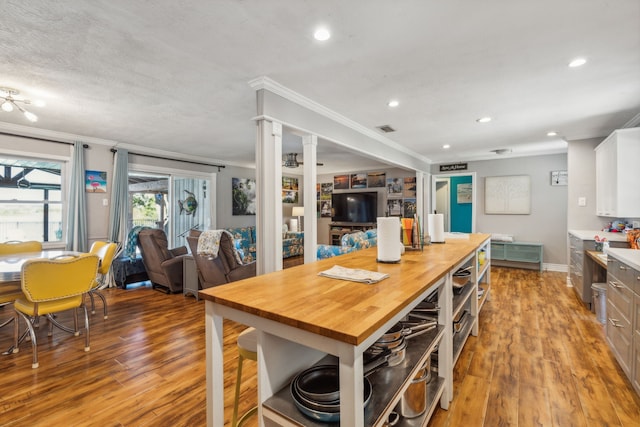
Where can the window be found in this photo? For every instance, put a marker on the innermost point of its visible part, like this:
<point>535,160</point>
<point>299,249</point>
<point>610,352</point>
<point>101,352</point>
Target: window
<point>30,200</point>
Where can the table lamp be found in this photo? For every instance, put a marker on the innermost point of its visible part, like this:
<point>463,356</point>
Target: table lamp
<point>298,211</point>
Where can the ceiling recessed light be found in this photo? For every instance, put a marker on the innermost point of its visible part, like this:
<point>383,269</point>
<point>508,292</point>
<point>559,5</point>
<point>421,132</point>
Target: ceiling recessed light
<point>322,34</point>
<point>552,133</point>
<point>483,120</point>
<point>577,62</point>
<point>446,146</point>
<point>393,103</point>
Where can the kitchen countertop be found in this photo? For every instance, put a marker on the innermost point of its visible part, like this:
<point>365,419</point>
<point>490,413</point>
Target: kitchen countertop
<point>346,311</point>
<point>590,235</point>
<point>630,257</point>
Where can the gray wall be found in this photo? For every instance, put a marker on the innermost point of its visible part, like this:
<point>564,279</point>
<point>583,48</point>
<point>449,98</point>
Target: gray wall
<point>224,205</point>
<point>547,222</point>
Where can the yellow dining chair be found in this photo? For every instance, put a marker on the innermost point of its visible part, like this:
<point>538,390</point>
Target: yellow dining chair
<point>106,252</point>
<point>16,247</point>
<point>8,298</point>
<point>51,286</point>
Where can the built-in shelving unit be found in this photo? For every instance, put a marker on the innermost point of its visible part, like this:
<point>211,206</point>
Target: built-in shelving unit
<point>339,229</point>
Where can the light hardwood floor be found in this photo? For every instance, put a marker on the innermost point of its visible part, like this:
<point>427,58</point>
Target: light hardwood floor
<point>540,359</point>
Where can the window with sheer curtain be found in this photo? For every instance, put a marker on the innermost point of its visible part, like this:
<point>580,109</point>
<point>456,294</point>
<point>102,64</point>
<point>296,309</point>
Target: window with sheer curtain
<point>31,200</point>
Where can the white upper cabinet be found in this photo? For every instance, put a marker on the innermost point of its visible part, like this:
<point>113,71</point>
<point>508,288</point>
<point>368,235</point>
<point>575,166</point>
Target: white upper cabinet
<point>618,174</point>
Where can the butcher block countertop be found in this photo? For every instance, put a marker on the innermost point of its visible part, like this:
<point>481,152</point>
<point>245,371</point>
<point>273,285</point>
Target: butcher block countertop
<point>343,310</point>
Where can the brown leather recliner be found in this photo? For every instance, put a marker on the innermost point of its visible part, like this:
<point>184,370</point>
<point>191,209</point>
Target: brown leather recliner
<point>163,265</point>
<point>220,270</point>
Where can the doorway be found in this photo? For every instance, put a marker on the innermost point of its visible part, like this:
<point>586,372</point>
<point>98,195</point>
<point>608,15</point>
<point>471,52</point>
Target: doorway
<point>175,204</point>
<point>454,196</point>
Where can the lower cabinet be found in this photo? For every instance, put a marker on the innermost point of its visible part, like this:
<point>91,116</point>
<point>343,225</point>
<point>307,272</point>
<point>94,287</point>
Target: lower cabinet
<point>623,317</point>
<point>517,252</point>
<point>635,369</point>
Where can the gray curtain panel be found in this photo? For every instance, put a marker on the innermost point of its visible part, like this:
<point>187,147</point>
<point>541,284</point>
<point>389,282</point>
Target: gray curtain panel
<point>77,212</point>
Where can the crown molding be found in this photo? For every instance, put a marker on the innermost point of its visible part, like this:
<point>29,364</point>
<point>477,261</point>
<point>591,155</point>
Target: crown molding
<point>27,131</point>
<point>634,122</point>
<point>271,85</point>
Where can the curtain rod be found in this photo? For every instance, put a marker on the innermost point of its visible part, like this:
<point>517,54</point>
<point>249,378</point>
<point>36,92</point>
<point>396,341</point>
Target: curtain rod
<point>40,139</point>
<point>113,150</point>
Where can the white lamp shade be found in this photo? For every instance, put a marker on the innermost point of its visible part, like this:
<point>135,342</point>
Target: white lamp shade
<point>297,211</point>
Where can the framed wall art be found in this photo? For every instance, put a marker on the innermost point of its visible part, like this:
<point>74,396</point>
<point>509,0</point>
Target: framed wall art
<point>243,191</point>
<point>95,181</point>
<point>509,195</point>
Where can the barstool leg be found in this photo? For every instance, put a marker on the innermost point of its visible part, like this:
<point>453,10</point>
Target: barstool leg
<point>234,420</point>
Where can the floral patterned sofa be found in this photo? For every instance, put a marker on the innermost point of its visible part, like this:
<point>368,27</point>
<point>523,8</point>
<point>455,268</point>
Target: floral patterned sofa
<point>245,240</point>
<point>349,243</point>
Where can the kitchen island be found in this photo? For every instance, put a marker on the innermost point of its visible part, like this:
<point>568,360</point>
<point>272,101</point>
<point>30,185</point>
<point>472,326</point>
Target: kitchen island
<point>302,317</point>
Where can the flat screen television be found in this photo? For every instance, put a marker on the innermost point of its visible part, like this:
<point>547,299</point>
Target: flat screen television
<point>354,207</point>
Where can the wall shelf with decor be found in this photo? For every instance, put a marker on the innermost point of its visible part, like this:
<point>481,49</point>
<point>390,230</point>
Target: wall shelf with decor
<point>339,229</point>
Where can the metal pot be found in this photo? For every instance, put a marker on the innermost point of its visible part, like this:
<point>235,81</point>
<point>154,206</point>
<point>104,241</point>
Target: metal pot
<point>397,350</point>
<point>414,400</point>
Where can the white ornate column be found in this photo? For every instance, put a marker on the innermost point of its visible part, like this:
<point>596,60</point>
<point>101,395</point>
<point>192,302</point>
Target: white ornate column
<point>269,196</point>
<point>310,145</point>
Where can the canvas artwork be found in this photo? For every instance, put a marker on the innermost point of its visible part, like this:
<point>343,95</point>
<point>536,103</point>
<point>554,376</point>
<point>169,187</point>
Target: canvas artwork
<point>325,208</point>
<point>358,180</point>
<point>464,193</point>
<point>289,183</point>
<point>394,188</point>
<point>326,189</point>
<point>409,208</point>
<point>289,196</point>
<point>341,182</point>
<point>409,190</point>
<point>289,190</point>
<point>394,207</point>
<point>95,181</point>
<point>376,179</point>
<point>243,192</point>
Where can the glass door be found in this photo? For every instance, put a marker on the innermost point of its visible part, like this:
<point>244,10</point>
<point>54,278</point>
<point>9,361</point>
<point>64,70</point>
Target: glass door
<point>190,207</point>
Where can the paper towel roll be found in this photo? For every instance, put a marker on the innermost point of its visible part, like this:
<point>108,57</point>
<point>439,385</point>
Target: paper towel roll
<point>389,244</point>
<point>435,225</point>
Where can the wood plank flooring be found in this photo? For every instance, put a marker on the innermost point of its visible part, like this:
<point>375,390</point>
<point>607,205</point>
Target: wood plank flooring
<point>540,359</point>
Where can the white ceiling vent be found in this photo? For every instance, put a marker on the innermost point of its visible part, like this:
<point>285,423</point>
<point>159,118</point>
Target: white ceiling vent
<point>386,128</point>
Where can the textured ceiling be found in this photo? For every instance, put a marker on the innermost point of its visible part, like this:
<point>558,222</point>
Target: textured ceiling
<point>173,75</point>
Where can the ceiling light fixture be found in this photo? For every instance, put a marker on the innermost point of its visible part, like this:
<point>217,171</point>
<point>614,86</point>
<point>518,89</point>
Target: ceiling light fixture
<point>446,146</point>
<point>552,133</point>
<point>322,34</point>
<point>484,120</point>
<point>393,103</point>
<point>11,98</point>
<point>578,62</point>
